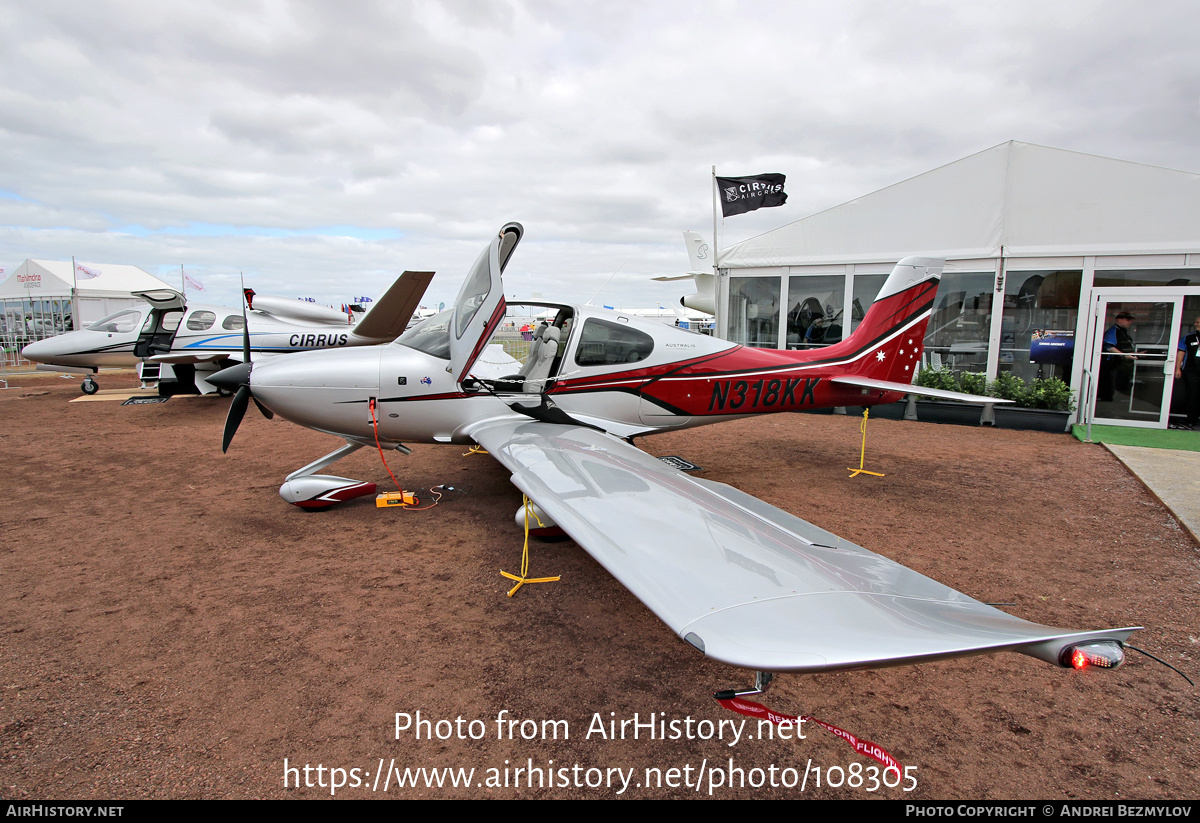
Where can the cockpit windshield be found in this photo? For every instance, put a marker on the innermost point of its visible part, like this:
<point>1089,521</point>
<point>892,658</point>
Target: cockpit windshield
<point>121,322</point>
<point>431,335</point>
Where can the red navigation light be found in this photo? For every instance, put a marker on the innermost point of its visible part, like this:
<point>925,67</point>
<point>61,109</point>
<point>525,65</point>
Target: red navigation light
<point>1103,654</point>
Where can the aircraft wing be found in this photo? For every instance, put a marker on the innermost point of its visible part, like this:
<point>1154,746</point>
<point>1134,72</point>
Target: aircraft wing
<point>744,582</point>
<point>205,357</point>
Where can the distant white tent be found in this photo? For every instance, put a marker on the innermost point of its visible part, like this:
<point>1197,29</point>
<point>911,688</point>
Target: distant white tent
<point>41,298</point>
<point>1031,200</point>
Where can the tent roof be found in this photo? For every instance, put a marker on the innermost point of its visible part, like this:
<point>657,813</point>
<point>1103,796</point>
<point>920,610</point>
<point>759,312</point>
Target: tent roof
<point>1032,200</point>
<point>55,279</point>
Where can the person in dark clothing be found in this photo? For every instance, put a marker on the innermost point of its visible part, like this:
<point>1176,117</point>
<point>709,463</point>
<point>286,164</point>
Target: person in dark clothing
<point>1116,363</point>
<point>1187,366</point>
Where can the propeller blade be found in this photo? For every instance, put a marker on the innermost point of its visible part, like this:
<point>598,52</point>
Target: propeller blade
<point>237,410</point>
<point>245,333</point>
<point>267,413</point>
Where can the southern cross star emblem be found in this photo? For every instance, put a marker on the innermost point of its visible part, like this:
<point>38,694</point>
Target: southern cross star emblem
<point>879,356</point>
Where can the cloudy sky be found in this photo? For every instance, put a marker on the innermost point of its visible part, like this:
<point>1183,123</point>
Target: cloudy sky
<point>323,148</point>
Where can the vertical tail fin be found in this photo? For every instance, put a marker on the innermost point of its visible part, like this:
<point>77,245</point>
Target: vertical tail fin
<point>892,334</point>
<point>698,253</point>
<point>701,261</point>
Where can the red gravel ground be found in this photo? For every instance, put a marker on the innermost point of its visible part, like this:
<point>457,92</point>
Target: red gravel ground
<point>172,629</point>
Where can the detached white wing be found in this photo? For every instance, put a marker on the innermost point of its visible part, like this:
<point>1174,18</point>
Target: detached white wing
<point>742,581</point>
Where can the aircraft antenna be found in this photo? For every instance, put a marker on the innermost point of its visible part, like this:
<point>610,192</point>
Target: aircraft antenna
<point>606,282</point>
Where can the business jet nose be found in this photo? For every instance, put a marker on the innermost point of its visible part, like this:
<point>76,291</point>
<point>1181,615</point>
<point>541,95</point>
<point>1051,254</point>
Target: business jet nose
<point>42,351</point>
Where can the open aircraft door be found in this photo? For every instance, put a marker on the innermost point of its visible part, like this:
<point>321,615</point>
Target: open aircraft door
<point>158,332</point>
<point>1134,389</point>
<point>480,305</point>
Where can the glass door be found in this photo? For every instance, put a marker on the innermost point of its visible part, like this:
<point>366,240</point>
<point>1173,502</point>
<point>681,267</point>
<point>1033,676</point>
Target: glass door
<point>1133,359</point>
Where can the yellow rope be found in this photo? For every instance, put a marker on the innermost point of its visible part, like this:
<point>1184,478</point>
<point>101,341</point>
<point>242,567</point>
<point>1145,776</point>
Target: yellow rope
<point>474,450</point>
<point>524,578</point>
<point>862,455</point>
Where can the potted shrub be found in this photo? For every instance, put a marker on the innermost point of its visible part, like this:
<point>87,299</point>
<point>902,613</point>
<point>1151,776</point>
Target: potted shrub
<point>947,411</point>
<point>1043,405</point>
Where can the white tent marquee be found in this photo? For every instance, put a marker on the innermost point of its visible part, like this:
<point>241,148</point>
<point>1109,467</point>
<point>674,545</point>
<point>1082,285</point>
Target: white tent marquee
<point>1029,200</point>
<point>43,297</point>
<point>1037,241</point>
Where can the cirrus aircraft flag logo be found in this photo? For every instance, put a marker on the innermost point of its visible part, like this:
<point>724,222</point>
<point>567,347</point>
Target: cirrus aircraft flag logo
<point>742,194</point>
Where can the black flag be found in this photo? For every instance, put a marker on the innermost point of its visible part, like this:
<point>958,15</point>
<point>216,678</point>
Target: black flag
<point>742,194</point>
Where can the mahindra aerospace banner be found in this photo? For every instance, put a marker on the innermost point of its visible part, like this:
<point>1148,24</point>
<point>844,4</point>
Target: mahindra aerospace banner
<point>742,194</point>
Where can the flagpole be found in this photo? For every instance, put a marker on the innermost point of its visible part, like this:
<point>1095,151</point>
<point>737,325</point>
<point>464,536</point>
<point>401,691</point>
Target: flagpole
<point>183,280</point>
<point>76,323</point>
<point>716,268</point>
<point>714,199</point>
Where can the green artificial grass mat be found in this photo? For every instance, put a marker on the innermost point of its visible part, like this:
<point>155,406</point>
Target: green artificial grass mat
<point>1150,438</point>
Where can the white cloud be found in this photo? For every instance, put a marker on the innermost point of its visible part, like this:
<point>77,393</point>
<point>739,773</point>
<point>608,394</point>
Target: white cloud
<point>128,130</point>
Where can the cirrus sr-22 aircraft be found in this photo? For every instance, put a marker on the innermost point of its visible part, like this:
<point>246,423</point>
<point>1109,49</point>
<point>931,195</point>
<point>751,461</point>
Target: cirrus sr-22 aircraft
<point>742,581</point>
<point>186,343</point>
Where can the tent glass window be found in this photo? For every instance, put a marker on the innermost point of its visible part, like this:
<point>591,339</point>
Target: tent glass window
<point>1037,336</point>
<point>754,311</point>
<point>815,309</point>
<point>1148,277</point>
<point>958,333</point>
<point>866,289</point>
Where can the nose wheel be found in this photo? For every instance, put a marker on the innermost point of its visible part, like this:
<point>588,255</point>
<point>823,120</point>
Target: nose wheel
<point>317,492</point>
<point>89,386</point>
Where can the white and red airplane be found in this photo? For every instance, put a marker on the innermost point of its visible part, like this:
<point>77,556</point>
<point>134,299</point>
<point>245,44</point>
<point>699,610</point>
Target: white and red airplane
<point>742,581</point>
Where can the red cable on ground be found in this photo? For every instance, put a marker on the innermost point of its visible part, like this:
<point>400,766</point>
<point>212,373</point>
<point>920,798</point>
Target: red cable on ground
<point>375,426</point>
<point>863,747</point>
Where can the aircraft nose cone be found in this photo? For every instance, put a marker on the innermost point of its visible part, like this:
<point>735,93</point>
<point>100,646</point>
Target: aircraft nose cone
<point>231,377</point>
<point>326,390</point>
<point>38,351</point>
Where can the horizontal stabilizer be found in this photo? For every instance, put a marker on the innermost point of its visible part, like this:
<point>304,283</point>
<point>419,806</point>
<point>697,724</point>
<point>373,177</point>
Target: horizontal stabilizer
<point>689,276</point>
<point>908,388</point>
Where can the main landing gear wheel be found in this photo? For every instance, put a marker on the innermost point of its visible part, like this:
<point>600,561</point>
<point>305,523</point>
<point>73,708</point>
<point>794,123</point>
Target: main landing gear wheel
<point>89,386</point>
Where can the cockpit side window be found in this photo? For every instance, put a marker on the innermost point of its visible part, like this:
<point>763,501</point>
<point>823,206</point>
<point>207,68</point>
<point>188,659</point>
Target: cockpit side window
<point>431,335</point>
<point>605,343</point>
<point>234,322</point>
<point>122,321</point>
<point>201,320</point>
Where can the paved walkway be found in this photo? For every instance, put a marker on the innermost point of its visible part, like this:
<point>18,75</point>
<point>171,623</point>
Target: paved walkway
<point>1171,476</point>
